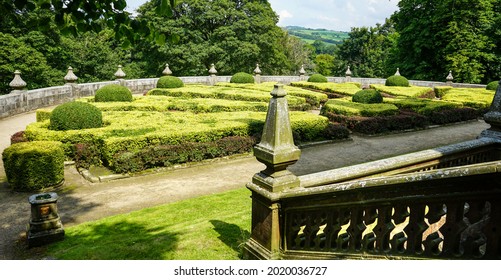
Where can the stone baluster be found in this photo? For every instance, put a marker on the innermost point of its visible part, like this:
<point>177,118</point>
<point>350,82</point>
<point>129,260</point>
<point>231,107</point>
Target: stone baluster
<point>17,84</point>
<point>277,151</point>
<point>167,71</point>
<point>257,74</point>
<point>449,79</point>
<point>212,75</point>
<point>347,75</point>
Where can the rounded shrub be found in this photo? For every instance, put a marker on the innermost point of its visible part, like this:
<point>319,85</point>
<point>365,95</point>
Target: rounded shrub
<point>492,85</point>
<point>113,93</point>
<point>34,165</point>
<point>242,78</point>
<point>317,78</point>
<point>75,115</point>
<point>397,81</point>
<point>367,96</point>
<point>169,82</point>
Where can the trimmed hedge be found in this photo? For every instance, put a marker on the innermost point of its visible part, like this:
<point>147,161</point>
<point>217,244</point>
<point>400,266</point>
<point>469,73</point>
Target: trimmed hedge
<point>33,166</point>
<point>134,131</point>
<point>441,91</point>
<point>242,78</point>
<point>397,81</point>
<point>317,78</point>
<point>411,91</point>
<point>492,85</point>
<point>471,97</point>
<point>347,108</point>
<point>368,96</point>
<point>113,93</point>
<point>75,115</point>
<point>423,106</point>
<point>169,82</point>
<point>341,89</point>
<point>313,98</point>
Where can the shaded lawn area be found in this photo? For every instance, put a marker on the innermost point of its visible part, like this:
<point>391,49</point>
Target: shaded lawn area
<point>211,227</point>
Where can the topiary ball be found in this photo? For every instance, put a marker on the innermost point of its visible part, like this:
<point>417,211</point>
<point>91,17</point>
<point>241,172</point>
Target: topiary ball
<point>34,165</point>
<point>397,81</point>
<point>169,82</point>
<point>317,78</point>
<point>492,85</point>
<point>242,78</point>
<point>367,96</point>
<point>75,115</point>
<point>113,93</point>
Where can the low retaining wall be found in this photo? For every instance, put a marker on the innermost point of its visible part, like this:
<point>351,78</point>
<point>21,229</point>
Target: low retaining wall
<point>20,101</point>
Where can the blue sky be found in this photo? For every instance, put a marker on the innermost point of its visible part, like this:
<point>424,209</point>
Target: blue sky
<point>339,15</point>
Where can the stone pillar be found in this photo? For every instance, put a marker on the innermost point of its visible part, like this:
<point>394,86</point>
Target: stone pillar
<point>347,75</point>
<point>449,79</point>
<point>17,84</point>
<point>120,75</point>
<point>398,72</point>
<point>277,151</point>
<point>71,80</point>
<point>302,73</point>
<point>257,74</point>
<point>212,75</point>
<point>167,71</point>
<point>493,117</point>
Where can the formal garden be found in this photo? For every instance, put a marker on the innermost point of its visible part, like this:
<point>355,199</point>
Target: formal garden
<point>177,123</point>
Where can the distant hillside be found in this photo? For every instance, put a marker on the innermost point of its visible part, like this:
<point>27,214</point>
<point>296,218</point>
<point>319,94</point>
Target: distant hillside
<point>310,35</point>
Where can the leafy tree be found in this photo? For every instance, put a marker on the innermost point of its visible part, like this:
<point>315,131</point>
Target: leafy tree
<point>324,64</point>
<point>367,50</point>
<point>16,55</point>
<point>438,36</point>
<point>235,35</point>
<point>298,53</point>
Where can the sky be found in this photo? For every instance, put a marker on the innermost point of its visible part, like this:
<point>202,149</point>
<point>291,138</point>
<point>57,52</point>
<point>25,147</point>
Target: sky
<point>339,15</point>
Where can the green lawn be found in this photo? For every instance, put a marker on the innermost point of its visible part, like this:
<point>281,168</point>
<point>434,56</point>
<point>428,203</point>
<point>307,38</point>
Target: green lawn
<point>213,227</point>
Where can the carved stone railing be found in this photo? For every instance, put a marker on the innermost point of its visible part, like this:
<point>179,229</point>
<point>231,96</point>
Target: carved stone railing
<point>443,203</point>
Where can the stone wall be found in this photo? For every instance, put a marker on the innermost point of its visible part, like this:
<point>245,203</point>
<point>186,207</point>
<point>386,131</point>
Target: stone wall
<point>19,101</point>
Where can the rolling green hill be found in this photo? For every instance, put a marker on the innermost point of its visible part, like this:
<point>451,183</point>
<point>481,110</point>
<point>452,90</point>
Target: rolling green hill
<point>324,35</point>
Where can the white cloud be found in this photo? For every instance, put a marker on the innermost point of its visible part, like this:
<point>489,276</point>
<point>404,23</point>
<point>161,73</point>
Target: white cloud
<point>285,14</point>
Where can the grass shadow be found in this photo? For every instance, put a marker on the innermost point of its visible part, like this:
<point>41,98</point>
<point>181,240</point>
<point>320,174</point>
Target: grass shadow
<point>231,235</point>
<point>115,240</point>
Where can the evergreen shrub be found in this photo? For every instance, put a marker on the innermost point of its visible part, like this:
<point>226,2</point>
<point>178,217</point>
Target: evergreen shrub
<point>492,85</point>
<point>34,165</point>
<point>113,93</point>
<point>242,78</point>
<point>169,82</point>
<point>317,78</point>
<point>397,81</point>
<point>75,115</point>
<point>368,96</point>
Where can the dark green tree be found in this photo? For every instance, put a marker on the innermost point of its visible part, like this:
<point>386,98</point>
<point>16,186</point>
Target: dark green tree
<point>235,35</point>
<point>438,36</point>
<point>367,51</point>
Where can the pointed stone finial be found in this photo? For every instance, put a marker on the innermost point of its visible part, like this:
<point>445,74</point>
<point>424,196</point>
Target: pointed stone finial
<point>449,78</point>
<point>257,71</point>
<point>348,72</point>
<point>398,72</point>
<point>120,74</point>
<point>17,83</point>
<point>167,71</point>
<point>70,77</point>
<point>302,72</point>
<point>212,70</point>
<point>276,149</point>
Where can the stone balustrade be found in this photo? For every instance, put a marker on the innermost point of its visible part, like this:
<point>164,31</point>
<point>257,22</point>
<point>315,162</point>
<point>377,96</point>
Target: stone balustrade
<point>21,100</point>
